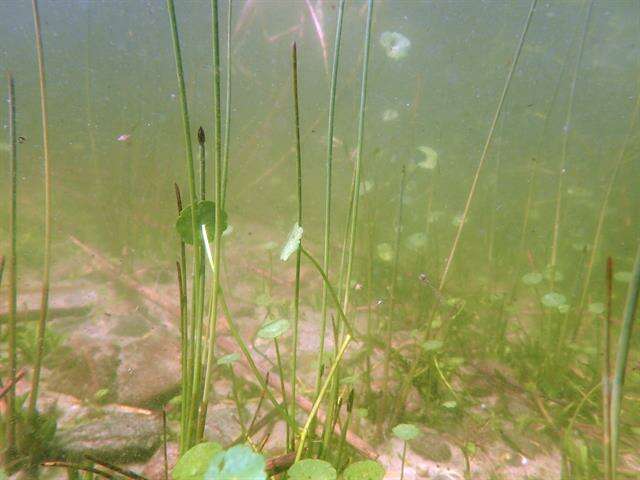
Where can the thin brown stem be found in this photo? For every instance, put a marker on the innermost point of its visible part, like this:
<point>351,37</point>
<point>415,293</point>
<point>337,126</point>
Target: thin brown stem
<point>485,150</point>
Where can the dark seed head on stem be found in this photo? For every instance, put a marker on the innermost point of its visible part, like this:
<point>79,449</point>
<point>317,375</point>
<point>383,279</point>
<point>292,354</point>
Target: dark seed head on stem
<point>201,138</point>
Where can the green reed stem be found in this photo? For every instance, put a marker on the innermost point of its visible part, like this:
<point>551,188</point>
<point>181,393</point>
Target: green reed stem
<point>392,306</point>
<point>217,239</point>
<point>345,429</point>
<point>404,458</point>
<point>13,275</point>
<point>355,199</point>
<point>183,342</point>
<point>296,298</point>
<point>281,375</point>
<point>1,270</point>
<point>622,357</point>
<point>323,391</point>
<point>203,163</point>
<point>329,187</point>
<point>350,231</point>
<point>233,329</point>
<point>227,109</point>
<point>188,424</point>
<point>235,390</point>
<point>487,144</point>
<point>331,290</point>
<point>606,374</point>
<point>44,300</point>
<point>565,144</point>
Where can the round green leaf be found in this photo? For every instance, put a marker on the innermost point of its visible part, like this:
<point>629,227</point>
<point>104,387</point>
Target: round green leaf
<point>194,464</point>
<point>622,277</point>
<point>312,469</point>
<point>365,187</point>
<point>553,299</point>
<point>273,329</point>
<point>205,215</point>
<point>228,359</point>
<point>532,278</point>
<point>364,470</point>
<point>293,242</point>
<point>385,252</point>
<point>406,431</point>
<point>432,345</point>
<point>553,274</point>
<point>417,240</point>
<point>239,462</point>
<point>596,308</point>
<point>430,158</point>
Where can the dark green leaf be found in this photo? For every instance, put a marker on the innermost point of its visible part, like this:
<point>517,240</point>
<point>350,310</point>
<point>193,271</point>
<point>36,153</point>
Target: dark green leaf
<point>194,464</point>
<point>205,215</point>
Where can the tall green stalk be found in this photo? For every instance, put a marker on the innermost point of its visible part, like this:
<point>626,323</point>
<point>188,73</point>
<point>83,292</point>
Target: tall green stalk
<point>350,231</point>
<point>296,298</point>
<point>487,144</point>
<point>565,144</point>
<point>44,301</point>
<point>392,306</point>
<point>606,374</point>
<point>622,357</point>
<point>227,109</point>
<point>355,199</point>
<point>10,450</point>
<point>321,394</point>
<point>328,188</point>
<point>194,363</point>
<point>217,238</point>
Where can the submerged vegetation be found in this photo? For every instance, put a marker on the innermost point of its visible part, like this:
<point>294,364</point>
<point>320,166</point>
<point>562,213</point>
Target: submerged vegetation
<point>401,329</point>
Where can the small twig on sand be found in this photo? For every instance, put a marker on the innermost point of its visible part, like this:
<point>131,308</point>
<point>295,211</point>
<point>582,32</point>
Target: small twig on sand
<point>115,468</point>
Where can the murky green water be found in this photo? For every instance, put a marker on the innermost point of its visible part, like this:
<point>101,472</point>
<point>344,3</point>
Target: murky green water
<point>117,147</point>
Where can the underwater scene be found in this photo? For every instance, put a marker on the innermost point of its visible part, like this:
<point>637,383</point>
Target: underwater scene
<point>319,239</point>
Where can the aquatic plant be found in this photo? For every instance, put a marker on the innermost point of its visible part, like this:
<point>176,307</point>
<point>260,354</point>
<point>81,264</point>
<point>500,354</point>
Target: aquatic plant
<point>326,256</point>
<point>296,294</point>
<point>395,45</point>
<point>430,158</point>
<point>405,432</point>
<point>46,272</point>
<point>565,142</point>
<point>485,149</point>
<point>11,414</point>
<point>622,358</point>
